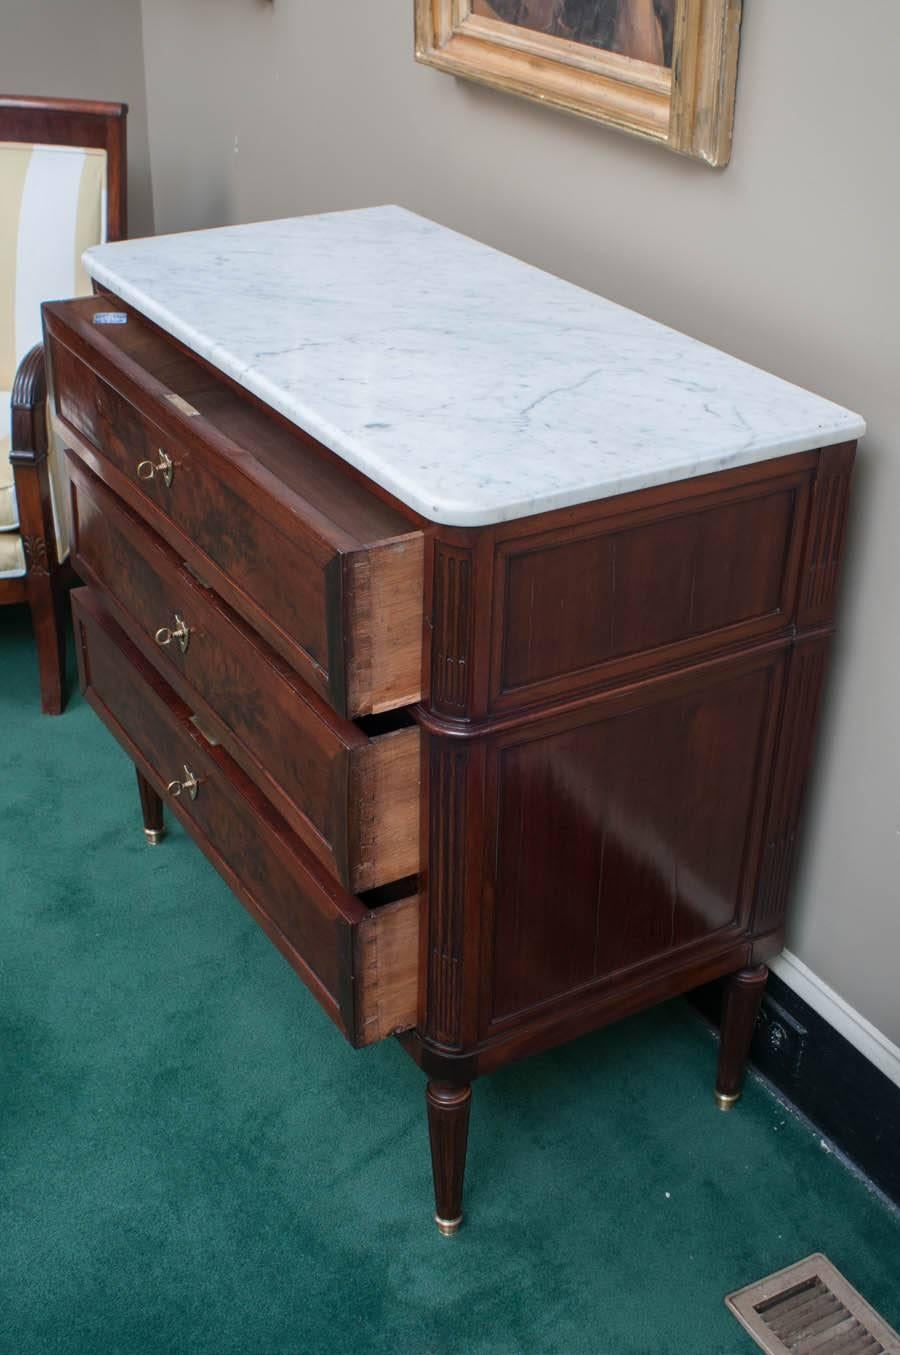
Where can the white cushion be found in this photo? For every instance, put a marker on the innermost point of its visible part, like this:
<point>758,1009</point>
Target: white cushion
<point>52,208</point>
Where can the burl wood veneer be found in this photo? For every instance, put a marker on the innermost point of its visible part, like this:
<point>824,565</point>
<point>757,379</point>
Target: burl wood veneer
<point>488,784</point>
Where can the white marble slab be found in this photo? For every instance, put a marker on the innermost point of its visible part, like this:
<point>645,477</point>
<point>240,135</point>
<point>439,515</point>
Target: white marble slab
<point>472,386</point>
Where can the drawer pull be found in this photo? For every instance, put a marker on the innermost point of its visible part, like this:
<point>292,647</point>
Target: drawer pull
<point>146,470</point>
<point>191,784</point>
<point>180,633</point>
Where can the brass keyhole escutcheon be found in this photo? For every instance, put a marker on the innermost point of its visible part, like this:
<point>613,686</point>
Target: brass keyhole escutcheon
<point>180,633</point>
<point>190,785</point>
<point>164,467</point>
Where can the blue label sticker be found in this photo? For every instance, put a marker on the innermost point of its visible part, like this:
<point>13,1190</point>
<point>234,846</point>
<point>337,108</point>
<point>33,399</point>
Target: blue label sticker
<point>110,318</point>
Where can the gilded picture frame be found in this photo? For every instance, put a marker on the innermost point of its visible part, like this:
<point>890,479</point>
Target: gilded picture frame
<point>682,97</point>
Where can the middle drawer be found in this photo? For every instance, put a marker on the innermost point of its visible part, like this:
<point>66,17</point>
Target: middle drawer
<point>351,791</point>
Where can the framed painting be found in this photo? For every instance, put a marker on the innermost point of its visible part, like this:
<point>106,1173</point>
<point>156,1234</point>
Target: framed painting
<point>663,69</point>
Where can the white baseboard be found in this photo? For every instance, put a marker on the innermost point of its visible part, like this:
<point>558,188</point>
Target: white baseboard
<point>870,1042</point>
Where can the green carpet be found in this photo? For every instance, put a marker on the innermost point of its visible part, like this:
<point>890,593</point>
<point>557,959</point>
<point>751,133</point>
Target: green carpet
<point>193,1160</point>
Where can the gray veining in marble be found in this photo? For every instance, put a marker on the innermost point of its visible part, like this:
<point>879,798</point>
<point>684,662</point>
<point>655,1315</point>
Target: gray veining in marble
<point>472,386</point>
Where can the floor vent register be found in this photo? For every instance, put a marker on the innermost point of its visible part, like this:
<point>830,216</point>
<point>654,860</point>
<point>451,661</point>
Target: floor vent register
<point>810,1309</point>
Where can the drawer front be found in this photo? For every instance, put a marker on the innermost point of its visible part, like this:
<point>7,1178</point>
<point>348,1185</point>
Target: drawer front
<point>344,609</point>
<point>353,799</point>
<point>361,963</point>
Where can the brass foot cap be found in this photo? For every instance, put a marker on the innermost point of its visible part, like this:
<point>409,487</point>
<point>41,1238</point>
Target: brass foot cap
<point>726,1102</point>
<point>447,1227</point>
<point>154,836</point>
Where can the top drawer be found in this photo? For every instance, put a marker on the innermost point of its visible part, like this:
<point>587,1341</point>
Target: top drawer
<point>330,574</point>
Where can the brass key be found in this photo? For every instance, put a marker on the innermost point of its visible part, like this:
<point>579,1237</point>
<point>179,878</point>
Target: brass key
<point>180,633</point>
<point>165,466</point>
<point>191,784</point>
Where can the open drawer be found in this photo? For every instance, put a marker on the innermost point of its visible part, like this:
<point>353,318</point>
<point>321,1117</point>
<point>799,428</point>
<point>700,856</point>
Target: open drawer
<point>351,791</point>
<point>294,540</point>
<point>360,960</point>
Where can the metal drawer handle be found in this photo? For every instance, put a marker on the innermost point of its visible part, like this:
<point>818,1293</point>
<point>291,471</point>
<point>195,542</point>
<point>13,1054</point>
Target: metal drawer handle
<point>146,470</point>
<point>180,633</point>
<point>191,784</point>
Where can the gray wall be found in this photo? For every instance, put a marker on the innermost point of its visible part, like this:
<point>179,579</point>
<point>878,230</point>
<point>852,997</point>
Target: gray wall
<point>83,49</point>
<point>788,258</point>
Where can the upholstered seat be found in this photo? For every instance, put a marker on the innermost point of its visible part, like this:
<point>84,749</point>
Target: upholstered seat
<point>62,189</point>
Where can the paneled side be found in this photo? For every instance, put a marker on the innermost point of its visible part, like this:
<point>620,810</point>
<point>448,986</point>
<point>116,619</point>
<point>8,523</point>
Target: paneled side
<point>624,836</point>
<point>792,762</point>
<point>629,594</point>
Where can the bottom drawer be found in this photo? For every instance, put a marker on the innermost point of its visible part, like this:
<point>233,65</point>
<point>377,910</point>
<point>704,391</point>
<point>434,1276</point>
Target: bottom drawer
<point>360,960</point>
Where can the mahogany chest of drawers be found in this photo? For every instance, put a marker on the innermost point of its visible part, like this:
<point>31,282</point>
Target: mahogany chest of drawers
<point>486,788</point>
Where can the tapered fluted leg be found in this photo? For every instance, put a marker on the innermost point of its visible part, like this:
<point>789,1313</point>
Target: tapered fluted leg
<point>152,810</point>
<point>448,1129</point>
<point>743,994</point>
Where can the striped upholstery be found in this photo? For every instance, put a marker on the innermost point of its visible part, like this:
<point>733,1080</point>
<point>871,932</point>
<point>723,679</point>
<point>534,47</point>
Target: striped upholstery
<point>7,500</point>
<point>52,208</point>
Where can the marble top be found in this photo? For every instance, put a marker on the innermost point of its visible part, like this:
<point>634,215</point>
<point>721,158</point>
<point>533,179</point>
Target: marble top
<point>472,386</point>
